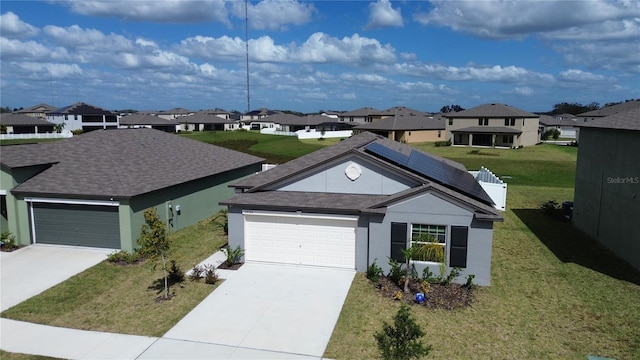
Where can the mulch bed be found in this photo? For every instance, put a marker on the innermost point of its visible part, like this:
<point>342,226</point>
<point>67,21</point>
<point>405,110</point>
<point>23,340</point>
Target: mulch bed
<point>225,265</point>
<point>11,248</point>
<point>453,296</point>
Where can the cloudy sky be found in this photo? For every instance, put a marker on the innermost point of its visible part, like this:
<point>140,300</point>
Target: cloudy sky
<point>320,55</point>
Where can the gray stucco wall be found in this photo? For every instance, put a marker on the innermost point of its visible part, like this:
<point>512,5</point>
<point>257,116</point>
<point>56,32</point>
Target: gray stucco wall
<point>607,190</point>
<point>435,210</point>
<point>331,178</point>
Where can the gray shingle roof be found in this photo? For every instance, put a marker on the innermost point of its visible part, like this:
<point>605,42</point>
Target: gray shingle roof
<point>128,162</point>
<point>365,111</point>
<point>81,108</point>
<point>628,120</point>
<point>42,107</point>
<point>488,130</point>
<point>405,121</point>
<point>12,119</point>
<point>491,111</point>
<point>16,156</point>
<point>258,194</point>
<point>203,117</point>
<point>613,109</point>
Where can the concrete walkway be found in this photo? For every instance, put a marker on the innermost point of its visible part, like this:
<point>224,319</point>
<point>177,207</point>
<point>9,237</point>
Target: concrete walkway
<point>263,311</point>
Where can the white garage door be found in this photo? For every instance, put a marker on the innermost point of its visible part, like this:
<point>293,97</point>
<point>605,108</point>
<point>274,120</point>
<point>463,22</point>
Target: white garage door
<point>299,239</point>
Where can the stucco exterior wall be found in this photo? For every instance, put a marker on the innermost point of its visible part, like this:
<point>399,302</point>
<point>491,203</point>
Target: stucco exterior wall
<point>416,136</point>
<point>374,179</point>
<point>435,210</point>
<point>528,126</point>
<point>607,190</point>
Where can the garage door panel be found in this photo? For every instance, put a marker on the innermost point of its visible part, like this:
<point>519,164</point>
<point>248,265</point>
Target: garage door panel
<point>300,240</point>
<point>78,225</point>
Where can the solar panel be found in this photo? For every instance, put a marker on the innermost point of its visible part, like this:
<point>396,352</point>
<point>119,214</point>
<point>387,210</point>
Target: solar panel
<point>387,153</point>
<point>434,169</point>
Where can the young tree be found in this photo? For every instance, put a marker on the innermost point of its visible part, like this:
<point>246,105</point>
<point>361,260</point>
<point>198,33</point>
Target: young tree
<point>155,243</point>
<point>402,340</point>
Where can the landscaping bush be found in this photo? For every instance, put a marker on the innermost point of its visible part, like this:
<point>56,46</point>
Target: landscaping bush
<point>233,255</point>
<point>374,271</point>
<point>176,275</point>
<point>549,207</point>
<point>210,275</point>
<point>442,143</point>
<point>123,257</point>
<point>8,241</point>
<point>401,341</point>
<point>396,273</point>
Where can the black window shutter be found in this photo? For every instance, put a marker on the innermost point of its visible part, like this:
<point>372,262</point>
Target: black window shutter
<point>458,250</point>
<point>398,241</point>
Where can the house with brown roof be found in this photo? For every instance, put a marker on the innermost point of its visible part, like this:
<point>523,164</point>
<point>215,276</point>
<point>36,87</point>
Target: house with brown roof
<point>364,200</point>
<point>362,115</point>
<point>92,189</point>
<point>408,127</point>
<point>208,121</point>
<point>144,120</point>
<point>493,125</point>
<point>607,190</point>
<point>39,111</point>
<point>85,117</point>
<point>564,123</point>
<point>14,123</point>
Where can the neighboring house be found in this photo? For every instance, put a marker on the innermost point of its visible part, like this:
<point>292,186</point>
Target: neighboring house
<point>293,123</point>
<point>362,116</point>
<point>606,111</point>
<point>85,117</point>
<point>408,127</point>
<point>208,121</point>
<point>92,190</point>
<point>493,125</point>
<point>256,115</point>
<point>174,113</point>
<point>565,124</point>
<point>22,124</point>
<point>38,111</point>
<point>607,190</point>
<point>141,120</point>
<point>362,200</point>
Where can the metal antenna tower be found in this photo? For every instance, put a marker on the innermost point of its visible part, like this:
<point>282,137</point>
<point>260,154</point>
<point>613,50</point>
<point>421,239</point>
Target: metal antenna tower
<point>246,42</point>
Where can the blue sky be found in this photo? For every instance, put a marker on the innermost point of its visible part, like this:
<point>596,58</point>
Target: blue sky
<point>321,55</point>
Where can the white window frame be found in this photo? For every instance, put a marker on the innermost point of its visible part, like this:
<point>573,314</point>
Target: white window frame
<point>438,231</point>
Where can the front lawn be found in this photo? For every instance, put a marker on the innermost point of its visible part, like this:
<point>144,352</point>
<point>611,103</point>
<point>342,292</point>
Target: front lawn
<point>555,293</point>
<point>121,299</point>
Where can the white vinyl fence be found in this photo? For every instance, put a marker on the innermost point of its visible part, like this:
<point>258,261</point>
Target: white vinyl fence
<point>493,186</point>
<point>62,135</point>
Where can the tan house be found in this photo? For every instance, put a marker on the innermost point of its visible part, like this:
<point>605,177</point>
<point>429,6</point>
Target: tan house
<point>408,128</point>
<point>492,125</point>
<point>37,111</point>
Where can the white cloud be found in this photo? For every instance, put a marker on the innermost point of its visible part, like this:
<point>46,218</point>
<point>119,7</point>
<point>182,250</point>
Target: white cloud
<point>382,15</point>
<point>13,49</point>
<point>508,19</point>
<point>166,11</point>
<point>76,37</point>
<point>365,78</point>
<point>524,90</point>
<point>12,27</point>
<point>574,75</point>
<point>274,14</point>
<point>496,73</point>
<point>322,48</point>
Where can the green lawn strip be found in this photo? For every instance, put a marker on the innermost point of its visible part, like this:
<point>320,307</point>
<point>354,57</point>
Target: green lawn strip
<point>121,299</point>
<point>539,305</point>
<point>4,355</point>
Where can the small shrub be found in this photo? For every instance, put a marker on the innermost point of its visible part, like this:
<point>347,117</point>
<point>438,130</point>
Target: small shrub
<point>549,207</point>
<point>123,257</point>
<point>443,143</point>
<point>8,241</point>
<point>374,271</point>
<point>401,341</point>
<point>76,132</point>
<point>210,275</point>
<point>233,255</point>
<point>196,273</point>
<point>453,274</point>
<point>425,286</point>
<point>429,276</point>
<point>398,295</point>
<point>176,275</point>
<point>396,273</point>
<point>469,283</point>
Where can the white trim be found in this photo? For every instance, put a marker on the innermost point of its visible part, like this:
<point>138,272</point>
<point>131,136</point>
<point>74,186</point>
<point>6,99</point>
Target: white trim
<point>32,222</point>
<point>73,201</point>
<point>299,215</point>
<point>3,192</point>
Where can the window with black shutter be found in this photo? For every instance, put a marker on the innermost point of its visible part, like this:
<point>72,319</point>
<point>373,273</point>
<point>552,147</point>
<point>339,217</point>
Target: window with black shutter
<point>458,250</point>
<point>398,241</point>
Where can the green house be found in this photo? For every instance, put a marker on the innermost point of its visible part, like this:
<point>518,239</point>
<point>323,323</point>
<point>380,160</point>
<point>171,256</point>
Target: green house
<point>92,190</point>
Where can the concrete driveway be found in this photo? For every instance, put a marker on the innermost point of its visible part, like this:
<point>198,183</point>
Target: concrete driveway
<point>262,311</point>
<point>35,268</point>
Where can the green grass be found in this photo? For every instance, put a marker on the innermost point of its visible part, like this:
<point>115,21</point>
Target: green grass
<point>276,149</point>
<point>539,165</point>
<point>555,293</point>
<point>121,299</point>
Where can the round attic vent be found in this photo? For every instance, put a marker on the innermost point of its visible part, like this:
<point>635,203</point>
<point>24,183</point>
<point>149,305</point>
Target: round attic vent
<point>353,171</point>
